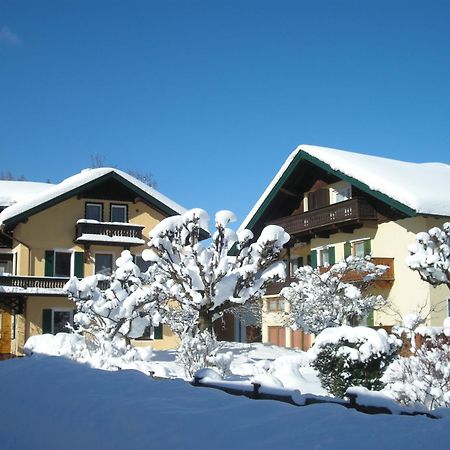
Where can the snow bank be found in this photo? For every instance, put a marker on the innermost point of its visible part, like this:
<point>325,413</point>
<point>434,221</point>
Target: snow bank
<point>52,403</point>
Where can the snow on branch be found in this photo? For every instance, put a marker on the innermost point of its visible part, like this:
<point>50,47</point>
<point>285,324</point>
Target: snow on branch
<point>430,255</point>
<point>319,300</point>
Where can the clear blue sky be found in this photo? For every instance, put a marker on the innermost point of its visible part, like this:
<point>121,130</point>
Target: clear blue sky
<point>211,96</point>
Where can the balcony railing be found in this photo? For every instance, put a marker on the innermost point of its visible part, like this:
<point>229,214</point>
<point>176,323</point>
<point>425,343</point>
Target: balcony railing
<point>339,215</point>
<point>90,232</point>
<point>36,285</point>
<point>352,277</point>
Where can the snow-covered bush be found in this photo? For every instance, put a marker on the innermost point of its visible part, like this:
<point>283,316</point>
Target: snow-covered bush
<point>430,255</point>
<point>201,276</point>
<point>195,351</point>
<point>352,356</point>
<point>423,377</point>
<point>222,361</point>
<point>322,300</point>
<point>109,318</point>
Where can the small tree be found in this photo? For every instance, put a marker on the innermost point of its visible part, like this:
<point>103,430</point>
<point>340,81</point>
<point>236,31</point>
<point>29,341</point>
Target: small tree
<point>320,300</point>
<point>423,377</point>
<point>430,255</point>
<point>111,317</point>
<point>201,276</point>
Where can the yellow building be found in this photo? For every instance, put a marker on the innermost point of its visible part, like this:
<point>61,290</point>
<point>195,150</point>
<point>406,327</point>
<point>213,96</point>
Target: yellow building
<point>78,227</point>
<point>335,204</point>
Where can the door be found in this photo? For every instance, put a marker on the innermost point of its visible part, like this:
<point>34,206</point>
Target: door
<point>277,336</point>
<point>5,331</point>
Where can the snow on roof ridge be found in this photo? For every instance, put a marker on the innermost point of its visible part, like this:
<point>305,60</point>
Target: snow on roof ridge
<point>420,186</point>
<point>79,179</point>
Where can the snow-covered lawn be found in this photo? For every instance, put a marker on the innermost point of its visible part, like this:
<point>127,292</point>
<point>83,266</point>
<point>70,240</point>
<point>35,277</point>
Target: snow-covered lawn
<point>52,403</point>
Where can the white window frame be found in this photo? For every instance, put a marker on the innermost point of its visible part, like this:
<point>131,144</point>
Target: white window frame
<point>72,262</point>
<point>70,310</point>
<point>120,206</point>
<point>319,251</point>
<point>113,259</point>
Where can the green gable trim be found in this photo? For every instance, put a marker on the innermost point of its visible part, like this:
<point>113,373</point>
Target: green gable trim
<point>10,223</point>
<point>303,156</point>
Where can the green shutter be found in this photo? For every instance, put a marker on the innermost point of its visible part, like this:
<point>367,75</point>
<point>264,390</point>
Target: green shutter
<point>332,255</point>
<point>367,248</point>
<point>46,321</point>
<point>158,332</point>
<point>347,249</point>
<point>313,259</point>
<point>73,315</point>
<point>49,263</point>
<point>370,318</point>
<point>79,264</point>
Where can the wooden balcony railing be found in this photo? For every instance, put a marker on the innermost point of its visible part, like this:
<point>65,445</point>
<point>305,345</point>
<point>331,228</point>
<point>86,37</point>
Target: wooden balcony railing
<point>89,232</point>
<point>352,277</point>
<point>349,213</point>
<point>36,284</point>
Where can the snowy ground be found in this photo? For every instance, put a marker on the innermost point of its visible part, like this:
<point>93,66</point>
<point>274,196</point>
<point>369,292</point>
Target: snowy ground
<point>50,402</point>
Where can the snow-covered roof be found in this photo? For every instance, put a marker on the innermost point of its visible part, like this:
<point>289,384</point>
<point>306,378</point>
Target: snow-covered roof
<point>421,187</point>
<point>16,191</point>
<point>73,183</point>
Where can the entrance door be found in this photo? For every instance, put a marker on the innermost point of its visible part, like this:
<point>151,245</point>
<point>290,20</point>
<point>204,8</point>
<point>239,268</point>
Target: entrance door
<point>5,331</point>
<point>277,336</point>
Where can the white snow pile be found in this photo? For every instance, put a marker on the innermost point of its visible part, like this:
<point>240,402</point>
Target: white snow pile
<point>54,403</point>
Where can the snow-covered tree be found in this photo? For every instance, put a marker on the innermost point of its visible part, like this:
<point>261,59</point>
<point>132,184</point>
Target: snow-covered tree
<point>318,300</point>
<point>111,317</point>
<point>423,377</point>
<point>430,255</point>
<point>199,274</point>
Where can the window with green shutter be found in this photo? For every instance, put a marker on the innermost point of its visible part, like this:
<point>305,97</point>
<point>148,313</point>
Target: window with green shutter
<point>79,264</point>
<point>158,332</point>
<point>46,321</point>
<point>331,255</point>
<point>312,257</point>
<point>347,249</point>
<point>49,263</point>
<point>367,247</point>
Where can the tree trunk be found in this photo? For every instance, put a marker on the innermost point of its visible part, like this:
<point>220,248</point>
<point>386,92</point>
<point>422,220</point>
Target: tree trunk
<point>205,321</point>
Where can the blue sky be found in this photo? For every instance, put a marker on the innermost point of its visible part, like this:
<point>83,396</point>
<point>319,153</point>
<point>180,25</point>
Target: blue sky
<point>211,96</point>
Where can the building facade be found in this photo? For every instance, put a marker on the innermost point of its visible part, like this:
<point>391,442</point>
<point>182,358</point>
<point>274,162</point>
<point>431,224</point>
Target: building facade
<point>76,228</point>
<point>335,204</point>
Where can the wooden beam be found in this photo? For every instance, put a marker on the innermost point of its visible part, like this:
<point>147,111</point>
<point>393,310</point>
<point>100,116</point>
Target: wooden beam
<point>287,192</point>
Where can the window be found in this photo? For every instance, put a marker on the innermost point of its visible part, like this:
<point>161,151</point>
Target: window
<point>63,264</point>
<point>103,263</point>
<point>60,319</point>
<point>94,211</point>
<point>343,194</point>
<point>358,249</point>
<point>448,307</point>
<point>324,257</point>
<point>294,264</point>
<point>152,333</point>
<point>141,263</point>
<point>6,263</point>
<point>275,305</point>
<point>318,199</point>
<point>119,213</point>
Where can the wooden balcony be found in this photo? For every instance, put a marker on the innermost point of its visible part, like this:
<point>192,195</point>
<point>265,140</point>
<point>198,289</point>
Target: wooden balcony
<point>385,280</point>
<point>108,233</point>
<point>17,285</point>
<point>343,216</point>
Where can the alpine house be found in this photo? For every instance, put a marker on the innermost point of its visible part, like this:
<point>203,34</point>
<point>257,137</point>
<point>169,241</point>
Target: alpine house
<point>78,227</point>
<point>336,203</point>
